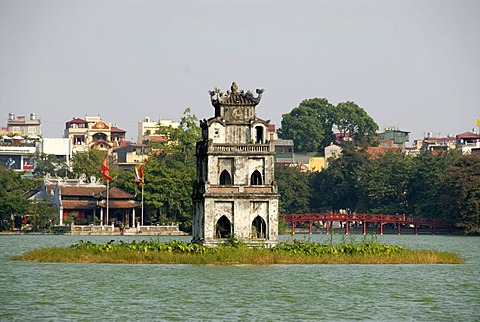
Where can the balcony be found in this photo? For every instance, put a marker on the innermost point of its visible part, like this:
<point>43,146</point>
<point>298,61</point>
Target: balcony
<point>240,148</point>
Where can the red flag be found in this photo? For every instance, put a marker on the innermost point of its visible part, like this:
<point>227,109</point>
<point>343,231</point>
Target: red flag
<point>138,171</point>
<point>105,170</point>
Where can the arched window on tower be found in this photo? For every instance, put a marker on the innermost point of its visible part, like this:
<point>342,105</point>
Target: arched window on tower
<point>259,228</point>
<point>256,178</point>
<point>225,178</point>
<point>259,134</point>
<point>223,228</point>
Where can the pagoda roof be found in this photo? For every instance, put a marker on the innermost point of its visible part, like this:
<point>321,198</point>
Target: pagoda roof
<point>235,97</point>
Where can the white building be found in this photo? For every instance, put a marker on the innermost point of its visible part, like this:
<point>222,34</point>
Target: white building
<point>147,128</point>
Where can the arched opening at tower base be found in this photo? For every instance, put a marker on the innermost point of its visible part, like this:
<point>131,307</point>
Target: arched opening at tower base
<point>259,228</point>
<point>223,228</point>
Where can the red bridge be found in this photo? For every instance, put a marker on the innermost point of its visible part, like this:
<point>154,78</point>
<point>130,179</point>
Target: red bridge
<point>363,219</point>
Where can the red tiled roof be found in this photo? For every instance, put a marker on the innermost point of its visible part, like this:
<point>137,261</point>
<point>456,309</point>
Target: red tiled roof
<point>76,121</point>
<point>452,139</point>
<point>79,204</point>
<point>81,191</point>
<point>115,129</point>
<point>158,138</point>
<point>119,204</point>
<point>468,135</point>
<point>115,193</point>
<point>125,143</point>
<point>377,151</point>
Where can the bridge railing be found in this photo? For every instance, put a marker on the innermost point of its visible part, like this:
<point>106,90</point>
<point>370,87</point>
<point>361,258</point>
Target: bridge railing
<point>363,217</point>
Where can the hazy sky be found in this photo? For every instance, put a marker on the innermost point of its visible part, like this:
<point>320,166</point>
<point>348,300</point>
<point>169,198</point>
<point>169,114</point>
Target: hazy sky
<point>411,64</point>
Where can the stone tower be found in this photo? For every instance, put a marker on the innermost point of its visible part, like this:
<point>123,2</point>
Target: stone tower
<point>235,193</point>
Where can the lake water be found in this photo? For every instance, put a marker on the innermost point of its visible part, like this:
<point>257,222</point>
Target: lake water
<point>88,292</point>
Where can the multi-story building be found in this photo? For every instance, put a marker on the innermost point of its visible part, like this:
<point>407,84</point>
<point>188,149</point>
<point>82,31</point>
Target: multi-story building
<point>392,137</point>
<point>148,130</point>
<point>235,195</point>
<point>436,144</point>
<point>92,132</point>
<point>20,125</point>
<point>467,142</point>
<point>19,142</point>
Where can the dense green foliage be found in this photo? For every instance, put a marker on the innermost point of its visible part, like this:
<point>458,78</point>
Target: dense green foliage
<point>295,198</point>
<point>296,252</point>
<point>443,186</point>
<point>14,203</point>
<point>460,197</point>
<point>90,164</point>
<point>169,175</point>
<point>311,125</point>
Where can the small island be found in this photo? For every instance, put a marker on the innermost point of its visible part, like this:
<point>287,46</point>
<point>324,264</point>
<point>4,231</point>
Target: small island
<point>237,253</point>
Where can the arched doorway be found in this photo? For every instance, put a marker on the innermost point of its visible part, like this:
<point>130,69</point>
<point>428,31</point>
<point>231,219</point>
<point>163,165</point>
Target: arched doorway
<point>259,228</point>
<point>223,228</point>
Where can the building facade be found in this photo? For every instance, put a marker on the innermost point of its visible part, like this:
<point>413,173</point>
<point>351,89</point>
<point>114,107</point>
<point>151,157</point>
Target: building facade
<point>148,129</point>
<point>235,195</point>
<point>92,132</point>
<point>392,137</point>
<point>25,127</point>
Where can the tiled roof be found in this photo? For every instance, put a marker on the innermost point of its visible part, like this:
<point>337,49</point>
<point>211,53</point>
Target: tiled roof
<point>115,129</point>
<point>119,204</point>
<point>79,204</point>
<point>81,191</point>
<point>468,135</point>
<point>76,121</point>
<point>377,151</point>
<point>115,193</point>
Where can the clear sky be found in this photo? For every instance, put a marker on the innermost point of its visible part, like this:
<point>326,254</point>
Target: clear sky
<point>414,64</point>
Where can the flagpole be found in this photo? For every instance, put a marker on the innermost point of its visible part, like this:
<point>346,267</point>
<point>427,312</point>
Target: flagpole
<point>142,201</point>
<point>108,192</point>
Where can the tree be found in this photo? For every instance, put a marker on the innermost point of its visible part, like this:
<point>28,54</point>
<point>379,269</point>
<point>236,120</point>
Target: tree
<point>294,189</point>
<point>13,203</point>
<point>309,125</point>
<point>352,119</point>
<point>42,214</point>
<point>169,174</point>
<point>425,184</point>
<point>460,196</point>
<point>382,183</point>
<point>90,163</point>
<point>48,163</point>
<point>336,188</point>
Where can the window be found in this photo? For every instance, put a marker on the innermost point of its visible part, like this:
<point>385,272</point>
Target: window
<point>225,178</point>
<point>259,228</point>
<point>256,178</point>
<point>223,228</point>
<point>258,134</point>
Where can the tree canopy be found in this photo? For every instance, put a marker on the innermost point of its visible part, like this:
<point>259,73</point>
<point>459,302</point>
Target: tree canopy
<point>311,125</point>
<point>460,192</point>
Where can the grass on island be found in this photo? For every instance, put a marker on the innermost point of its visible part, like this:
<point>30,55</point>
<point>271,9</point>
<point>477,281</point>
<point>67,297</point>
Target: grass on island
<point>175,252</point>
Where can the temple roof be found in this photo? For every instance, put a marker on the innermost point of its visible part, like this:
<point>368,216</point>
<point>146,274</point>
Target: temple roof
<point>235,97</point>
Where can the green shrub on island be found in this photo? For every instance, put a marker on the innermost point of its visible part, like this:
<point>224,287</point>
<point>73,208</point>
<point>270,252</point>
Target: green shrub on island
<point>234,253</point>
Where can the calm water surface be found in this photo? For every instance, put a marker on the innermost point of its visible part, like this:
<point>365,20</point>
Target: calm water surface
<point>90,292</point>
